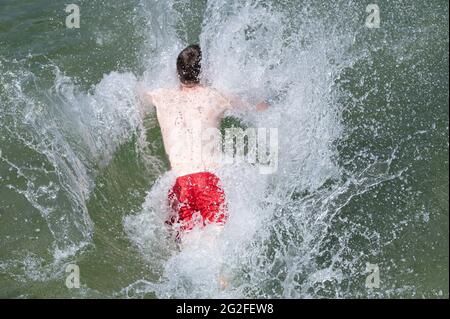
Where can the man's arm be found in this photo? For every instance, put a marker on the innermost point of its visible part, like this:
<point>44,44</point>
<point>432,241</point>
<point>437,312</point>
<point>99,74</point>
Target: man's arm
<point>146,101</point>
<point>235,102</point>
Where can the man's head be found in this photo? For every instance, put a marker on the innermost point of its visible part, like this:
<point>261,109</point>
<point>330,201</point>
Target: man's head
<point>188,65</point>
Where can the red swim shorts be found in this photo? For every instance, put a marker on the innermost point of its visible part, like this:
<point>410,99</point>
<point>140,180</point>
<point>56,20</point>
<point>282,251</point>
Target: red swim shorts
<point>196,200</point>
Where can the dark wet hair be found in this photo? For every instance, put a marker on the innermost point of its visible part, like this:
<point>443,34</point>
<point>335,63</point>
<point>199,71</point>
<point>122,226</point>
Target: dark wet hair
<point>188,64</point>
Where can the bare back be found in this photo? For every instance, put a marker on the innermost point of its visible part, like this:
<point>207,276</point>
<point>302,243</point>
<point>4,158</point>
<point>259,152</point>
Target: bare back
<point>184,116</point>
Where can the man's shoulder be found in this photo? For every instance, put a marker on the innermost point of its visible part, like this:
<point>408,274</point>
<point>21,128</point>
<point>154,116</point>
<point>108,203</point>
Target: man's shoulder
<point>159,95</point>
<point>216,93</point>
<point>161,91</point>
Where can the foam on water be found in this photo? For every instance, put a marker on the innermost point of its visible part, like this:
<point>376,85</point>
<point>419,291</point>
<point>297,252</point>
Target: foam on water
<point>73,133</point>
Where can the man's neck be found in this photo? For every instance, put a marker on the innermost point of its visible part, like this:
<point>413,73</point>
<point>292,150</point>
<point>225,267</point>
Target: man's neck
<point>189,86</point>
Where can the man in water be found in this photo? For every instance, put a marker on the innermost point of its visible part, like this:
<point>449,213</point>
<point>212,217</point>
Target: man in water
<point>183,113</point>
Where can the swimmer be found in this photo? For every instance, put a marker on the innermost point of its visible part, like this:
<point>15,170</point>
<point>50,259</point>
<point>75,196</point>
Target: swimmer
<point>184,113</point>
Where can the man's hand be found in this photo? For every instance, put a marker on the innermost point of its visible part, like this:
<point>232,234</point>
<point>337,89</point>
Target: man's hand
<point>262,106</point>
<point>237,103</point>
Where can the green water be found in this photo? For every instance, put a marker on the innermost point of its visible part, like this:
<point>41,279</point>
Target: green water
<point>69,177</point>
